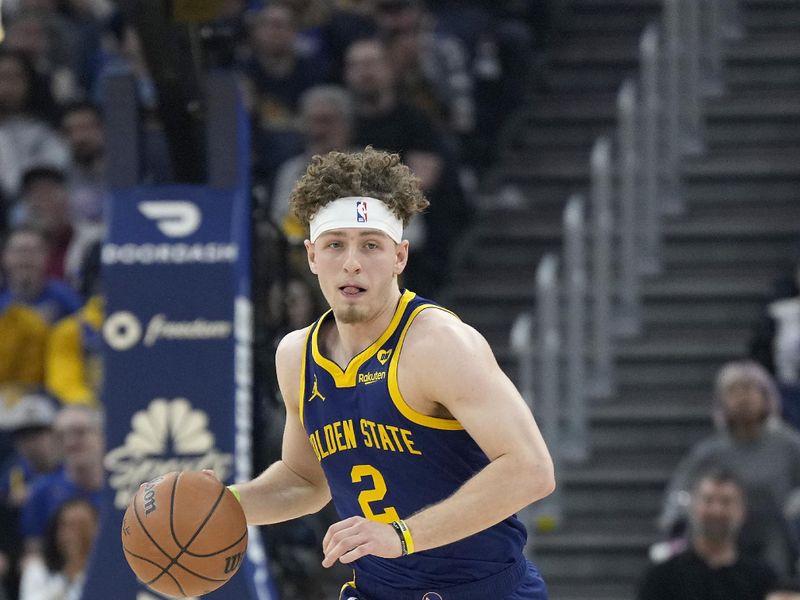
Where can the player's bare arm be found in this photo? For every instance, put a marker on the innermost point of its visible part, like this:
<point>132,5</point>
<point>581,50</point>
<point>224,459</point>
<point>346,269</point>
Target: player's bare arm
<point>295,485</point>
<point>447,369</point>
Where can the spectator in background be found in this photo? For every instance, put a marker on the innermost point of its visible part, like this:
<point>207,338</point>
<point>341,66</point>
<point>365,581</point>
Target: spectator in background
<point>326,30</point>
<point>326,118</point>
<point>45,205</point>
<point>23,337</point>
<point>26,139</point>
<point>60,572</point>
<point>782,347</point>
<point>36,452</point>
<point>431,69</point>
<point>50,42</point>
<point>82,126</point>
<point>276,74</point>
<point>712,567</point>
<point>761,449</point>
<point>24,262</point>
<point>74,360</point>
<point>80,430</point>
<point>384,122</point>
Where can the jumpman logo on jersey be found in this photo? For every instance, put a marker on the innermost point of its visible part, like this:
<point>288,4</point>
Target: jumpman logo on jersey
<point>315,391</point>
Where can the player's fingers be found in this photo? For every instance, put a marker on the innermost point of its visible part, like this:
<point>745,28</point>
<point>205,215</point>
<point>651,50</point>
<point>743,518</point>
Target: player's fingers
<point>337,527</point>
<point>343,544</point>
<point>356,553</point>
<point>335,537</point>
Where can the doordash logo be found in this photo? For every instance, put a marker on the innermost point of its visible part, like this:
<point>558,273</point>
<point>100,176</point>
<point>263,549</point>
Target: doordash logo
<point>174,218</point>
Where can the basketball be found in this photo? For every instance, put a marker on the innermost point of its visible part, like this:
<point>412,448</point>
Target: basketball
<point>184,534</point>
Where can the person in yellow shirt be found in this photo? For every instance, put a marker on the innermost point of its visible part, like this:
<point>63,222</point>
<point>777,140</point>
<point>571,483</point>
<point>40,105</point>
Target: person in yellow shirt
<point>73,363</point>
<point>23,336</point>
<point>73,359</point>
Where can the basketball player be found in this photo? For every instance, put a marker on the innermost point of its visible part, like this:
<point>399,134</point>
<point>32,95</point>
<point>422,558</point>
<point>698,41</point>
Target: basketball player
<point>398,411</point>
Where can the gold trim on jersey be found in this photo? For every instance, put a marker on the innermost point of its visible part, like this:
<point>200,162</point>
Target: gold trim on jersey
<point>347,378</point>
<point>394,388</point>
<point>303,376</point>
<point>351,583</point>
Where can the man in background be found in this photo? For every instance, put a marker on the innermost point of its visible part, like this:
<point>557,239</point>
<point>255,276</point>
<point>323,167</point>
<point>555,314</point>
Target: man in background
<point>711,568</point>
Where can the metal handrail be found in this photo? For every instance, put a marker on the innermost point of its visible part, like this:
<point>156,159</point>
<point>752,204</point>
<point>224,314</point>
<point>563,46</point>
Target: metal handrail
<point>712,35</point>
<point>654,155</point>
<point>628,318</point>
<point>576,442</point>
<point>602,223</point>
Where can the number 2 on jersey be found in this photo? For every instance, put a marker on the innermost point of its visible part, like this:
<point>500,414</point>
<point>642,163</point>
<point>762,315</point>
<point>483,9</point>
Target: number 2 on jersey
<point>375,494</point>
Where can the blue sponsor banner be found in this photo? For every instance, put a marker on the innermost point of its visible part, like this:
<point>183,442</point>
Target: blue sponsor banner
<point>177,362</point>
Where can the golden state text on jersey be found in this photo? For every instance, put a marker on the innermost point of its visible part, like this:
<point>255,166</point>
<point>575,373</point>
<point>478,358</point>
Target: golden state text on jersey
<point>385,461</point>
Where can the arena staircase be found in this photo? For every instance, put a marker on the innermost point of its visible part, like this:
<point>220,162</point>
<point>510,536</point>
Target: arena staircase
<point>721,256</point>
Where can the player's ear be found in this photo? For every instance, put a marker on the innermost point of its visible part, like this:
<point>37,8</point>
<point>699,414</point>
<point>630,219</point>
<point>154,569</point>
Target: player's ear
<point>311,255</point>
<point>401,257</point>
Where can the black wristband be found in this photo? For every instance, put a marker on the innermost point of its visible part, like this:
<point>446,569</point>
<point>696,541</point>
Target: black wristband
<point>404,547</point>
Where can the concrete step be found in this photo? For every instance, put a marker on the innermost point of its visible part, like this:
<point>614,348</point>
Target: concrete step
<point>751,75</point>
<point>570,168</point>
<point>698,372</point>
<point>605,492</point>
<point>758,17</point>
<point>771,17</point>
<point>622,50</point>
<point>602,556</point>
<point>735,165</point>
<point>643,448</point>
<point>781,47</point>
<point>677,252</point>
<point>525,227</point>
<point>569,120</point>
<point>486,288</point>
<point>656,313</point>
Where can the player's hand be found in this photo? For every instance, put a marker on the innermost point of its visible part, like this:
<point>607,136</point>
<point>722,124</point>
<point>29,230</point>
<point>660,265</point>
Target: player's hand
<point>355,537</point>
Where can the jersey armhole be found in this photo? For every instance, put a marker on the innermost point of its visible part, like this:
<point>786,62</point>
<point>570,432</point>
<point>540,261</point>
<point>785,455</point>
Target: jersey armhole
<point>394,386</point>
<point>302,387</point>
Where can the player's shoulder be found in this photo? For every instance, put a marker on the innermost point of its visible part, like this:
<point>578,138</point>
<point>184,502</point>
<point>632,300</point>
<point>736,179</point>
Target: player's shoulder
<point>288,360</point>
<point>435,329</point>
<point>292,345</point>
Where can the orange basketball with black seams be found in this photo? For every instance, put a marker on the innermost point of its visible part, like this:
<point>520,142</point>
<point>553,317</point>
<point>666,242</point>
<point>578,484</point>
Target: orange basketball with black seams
<point>184,534</point>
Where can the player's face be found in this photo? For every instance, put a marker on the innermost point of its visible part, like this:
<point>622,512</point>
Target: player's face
<point>717,510</point>
<point>357,270</point>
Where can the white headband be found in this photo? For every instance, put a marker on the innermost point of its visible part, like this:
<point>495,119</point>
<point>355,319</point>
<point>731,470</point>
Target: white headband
<point>356,211</point>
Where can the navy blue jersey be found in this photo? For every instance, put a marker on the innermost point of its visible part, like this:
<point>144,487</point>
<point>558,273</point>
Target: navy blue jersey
<point>385,461</point>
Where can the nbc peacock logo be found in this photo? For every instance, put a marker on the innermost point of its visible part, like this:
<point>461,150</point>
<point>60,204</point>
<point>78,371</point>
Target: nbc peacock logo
<point>169,435</point>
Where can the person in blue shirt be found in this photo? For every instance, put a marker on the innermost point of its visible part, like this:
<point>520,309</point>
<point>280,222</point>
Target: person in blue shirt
<point>24,262</point>
<point>397,411</point>
<point>36,453</point>
<point>80,431</point>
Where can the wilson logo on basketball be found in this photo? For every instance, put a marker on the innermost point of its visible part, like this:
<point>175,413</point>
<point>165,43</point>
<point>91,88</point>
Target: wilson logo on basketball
<point>169,435</point>
<point>149,499</point>
<point>232,562</point>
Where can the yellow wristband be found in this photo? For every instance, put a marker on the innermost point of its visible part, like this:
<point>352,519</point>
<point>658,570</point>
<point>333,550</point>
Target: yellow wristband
<point>406,541</point>
<point>235,491</point>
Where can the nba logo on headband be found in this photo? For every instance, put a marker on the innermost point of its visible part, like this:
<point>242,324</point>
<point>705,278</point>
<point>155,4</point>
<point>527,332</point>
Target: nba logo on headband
<point>361,211</point>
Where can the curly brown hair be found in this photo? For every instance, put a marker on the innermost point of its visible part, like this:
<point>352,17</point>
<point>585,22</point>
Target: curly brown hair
<point>372,173</point>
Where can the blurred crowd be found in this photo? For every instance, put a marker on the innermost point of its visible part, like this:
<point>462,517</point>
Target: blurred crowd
<point>432,81</point>
<point>731,513</point>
